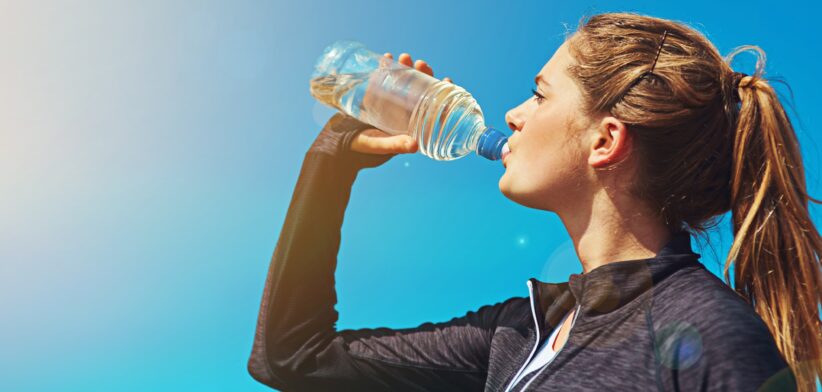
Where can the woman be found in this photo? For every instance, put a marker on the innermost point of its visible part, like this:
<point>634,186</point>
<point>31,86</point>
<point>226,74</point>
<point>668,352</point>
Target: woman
<point>638,135</point>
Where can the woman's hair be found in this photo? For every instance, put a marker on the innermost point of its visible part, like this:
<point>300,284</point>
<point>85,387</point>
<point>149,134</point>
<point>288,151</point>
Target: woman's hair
<point>709,140</point>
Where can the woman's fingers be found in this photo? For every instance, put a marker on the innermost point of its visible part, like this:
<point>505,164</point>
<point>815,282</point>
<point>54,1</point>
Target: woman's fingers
<point>420,65</point>
<point>375,141</point>
<point>405,59</point>
<point>424,67</point>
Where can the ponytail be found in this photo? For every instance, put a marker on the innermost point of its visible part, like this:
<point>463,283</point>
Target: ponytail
<point>776,248</point>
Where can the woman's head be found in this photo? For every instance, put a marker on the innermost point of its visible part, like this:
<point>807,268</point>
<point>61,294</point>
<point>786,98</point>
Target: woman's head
<point>649,110</point>
<point>679,119</point>
<point>547,128</point>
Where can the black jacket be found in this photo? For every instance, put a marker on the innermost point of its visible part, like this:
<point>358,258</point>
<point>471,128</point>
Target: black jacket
<point>663,323</point>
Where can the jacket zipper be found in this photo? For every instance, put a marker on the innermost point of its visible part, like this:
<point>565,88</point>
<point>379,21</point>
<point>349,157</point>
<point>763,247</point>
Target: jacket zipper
<point>536,325</point>
<point>574,321</point>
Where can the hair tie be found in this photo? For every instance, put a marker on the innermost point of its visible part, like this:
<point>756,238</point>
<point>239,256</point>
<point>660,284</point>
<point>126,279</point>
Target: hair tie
<point>737,78</point>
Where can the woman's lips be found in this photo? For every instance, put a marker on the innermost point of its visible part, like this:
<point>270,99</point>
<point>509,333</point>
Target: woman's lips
<point>506,151</point>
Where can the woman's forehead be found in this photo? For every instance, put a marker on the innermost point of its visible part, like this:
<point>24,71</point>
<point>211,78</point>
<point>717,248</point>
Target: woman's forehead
<point>555,69</point>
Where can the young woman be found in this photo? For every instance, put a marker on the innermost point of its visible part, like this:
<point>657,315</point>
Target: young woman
<point>638,136</point>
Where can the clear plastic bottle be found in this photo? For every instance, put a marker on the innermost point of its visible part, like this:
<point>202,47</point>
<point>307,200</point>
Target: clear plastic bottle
<point>445,119</point>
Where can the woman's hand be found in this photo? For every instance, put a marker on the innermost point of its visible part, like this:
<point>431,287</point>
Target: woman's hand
<point>375,141</point>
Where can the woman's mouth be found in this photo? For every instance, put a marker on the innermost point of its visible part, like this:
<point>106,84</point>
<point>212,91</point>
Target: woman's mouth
<point>506,151</point>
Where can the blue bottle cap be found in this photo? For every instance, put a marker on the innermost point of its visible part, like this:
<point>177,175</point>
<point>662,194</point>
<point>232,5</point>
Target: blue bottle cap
<point>490,144</point>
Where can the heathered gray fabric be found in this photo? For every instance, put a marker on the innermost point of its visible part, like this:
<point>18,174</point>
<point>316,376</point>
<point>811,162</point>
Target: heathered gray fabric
<point>663,323</point>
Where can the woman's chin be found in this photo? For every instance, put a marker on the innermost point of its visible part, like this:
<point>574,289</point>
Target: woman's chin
<point>503,185</point>
<point>506,189</point>
<point>526,197</point>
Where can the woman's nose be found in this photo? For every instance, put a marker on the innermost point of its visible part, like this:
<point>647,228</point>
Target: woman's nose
<point>514,120</point>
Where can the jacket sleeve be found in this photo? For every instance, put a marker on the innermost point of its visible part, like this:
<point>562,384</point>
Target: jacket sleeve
<point>296,345</point>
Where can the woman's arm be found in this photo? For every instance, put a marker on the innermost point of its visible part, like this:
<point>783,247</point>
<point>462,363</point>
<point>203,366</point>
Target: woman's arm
<point>296,345</point>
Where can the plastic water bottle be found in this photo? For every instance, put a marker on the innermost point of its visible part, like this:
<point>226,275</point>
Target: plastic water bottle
<point>445,119</point>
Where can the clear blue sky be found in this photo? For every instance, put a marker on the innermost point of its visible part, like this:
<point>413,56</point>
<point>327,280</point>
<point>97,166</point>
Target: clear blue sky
<point>148,151</point>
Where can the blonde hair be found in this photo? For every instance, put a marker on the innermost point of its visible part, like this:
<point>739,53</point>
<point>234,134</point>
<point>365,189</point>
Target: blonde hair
<point>710,140</point>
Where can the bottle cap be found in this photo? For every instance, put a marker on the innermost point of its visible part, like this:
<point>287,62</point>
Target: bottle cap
<point>490,144</point>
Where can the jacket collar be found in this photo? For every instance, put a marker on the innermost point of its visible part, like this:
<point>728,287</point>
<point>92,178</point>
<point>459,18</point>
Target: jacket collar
<point>608,288</point>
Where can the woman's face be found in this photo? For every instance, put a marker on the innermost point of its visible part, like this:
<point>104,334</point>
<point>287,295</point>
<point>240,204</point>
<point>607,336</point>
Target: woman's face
<point>547,165</point>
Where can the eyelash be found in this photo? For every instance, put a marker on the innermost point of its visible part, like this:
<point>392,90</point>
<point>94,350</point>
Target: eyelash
<point>537,96</point>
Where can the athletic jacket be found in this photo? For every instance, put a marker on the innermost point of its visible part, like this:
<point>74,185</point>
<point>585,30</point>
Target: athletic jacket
<point>663,323</point>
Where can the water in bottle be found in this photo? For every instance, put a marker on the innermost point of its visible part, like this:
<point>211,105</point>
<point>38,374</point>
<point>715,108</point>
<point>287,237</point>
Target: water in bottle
<point>445,119</point>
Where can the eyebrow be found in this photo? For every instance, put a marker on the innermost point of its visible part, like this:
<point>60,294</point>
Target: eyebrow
<point>538,79</point>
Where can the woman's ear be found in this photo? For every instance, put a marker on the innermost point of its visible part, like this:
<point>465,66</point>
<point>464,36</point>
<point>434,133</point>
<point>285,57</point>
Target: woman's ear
<point>610,143</point>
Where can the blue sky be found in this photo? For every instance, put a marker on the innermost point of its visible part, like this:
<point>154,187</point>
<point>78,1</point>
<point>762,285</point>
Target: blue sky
<point>148,151</point>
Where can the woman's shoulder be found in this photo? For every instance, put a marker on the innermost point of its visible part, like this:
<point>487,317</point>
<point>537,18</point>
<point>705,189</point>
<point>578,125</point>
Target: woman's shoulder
<point>697,307</point>
<point>703,330</point>
<point>696,291</point>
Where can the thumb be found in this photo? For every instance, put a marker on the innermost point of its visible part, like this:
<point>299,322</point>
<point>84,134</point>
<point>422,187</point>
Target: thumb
<point>380,143</point>
<point>403,144</point>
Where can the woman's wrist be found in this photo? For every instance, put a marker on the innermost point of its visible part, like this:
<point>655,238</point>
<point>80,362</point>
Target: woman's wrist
<point>335,140</point>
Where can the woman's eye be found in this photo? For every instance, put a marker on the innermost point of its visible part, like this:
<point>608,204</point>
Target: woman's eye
<point>539,98</point>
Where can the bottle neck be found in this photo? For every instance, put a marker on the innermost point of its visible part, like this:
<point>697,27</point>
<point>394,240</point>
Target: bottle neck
<point>489,143</point>
<point>476,134</point>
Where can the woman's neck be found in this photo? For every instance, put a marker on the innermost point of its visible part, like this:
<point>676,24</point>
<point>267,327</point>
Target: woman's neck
<point>615,229</point>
